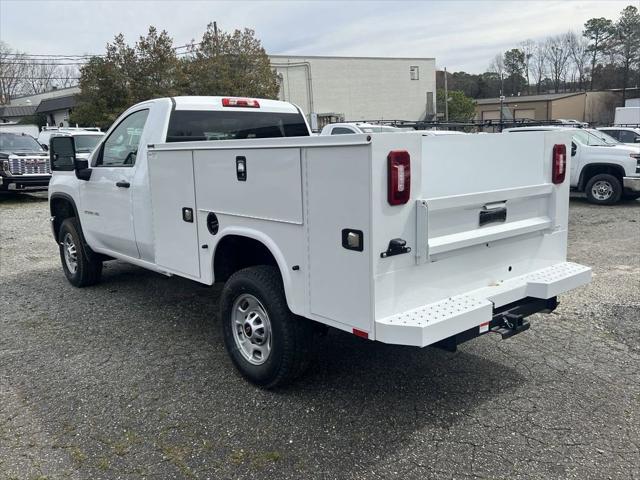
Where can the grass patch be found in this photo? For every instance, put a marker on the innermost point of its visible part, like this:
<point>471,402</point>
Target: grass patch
<point>176,455</point>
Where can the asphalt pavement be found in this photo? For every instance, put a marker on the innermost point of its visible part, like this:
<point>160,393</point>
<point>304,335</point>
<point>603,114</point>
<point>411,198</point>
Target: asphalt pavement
<point>129,379</point>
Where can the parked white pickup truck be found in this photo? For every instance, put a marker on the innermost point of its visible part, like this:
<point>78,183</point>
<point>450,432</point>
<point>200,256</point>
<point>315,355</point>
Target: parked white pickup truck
<point>605,170</point>
<point>370,234</point>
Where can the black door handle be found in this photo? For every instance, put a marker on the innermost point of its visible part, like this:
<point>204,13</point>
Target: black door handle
<point>123,184</point>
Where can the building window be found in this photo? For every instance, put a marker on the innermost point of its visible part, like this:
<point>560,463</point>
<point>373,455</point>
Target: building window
<point>414,72</point>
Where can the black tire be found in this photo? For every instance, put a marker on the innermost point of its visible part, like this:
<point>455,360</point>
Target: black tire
<point>610,183</point>
<point>88,265</point>
<point>290,336</point>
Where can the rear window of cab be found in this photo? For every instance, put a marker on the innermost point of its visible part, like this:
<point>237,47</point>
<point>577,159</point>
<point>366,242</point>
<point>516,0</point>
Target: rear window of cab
<point>198,125</point>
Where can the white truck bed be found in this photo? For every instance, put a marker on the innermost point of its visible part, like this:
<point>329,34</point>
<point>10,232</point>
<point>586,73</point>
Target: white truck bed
<point>301,193</point>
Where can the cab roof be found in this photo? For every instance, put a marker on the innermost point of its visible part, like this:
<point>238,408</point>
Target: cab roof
<point>215,103</point>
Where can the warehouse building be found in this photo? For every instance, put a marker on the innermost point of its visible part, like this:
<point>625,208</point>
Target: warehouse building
<point>592,107</point>
<point>331,89</point>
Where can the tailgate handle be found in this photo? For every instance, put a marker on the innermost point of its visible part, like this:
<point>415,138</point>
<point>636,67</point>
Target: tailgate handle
<point>494,212</point>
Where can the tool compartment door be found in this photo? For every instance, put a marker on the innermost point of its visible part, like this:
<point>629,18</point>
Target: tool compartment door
<point>257,183</point>
<point>339,198</point>
<point>172,190</point>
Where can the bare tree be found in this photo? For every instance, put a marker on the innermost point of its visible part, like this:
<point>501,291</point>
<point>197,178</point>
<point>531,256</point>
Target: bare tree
<point>497,66</point>
<point>528,47</point>
<point>67,76</point>
<point>539,65</point>
<point>579,52</point>
<point>12,71</point>
<point>40,77</point>
<point>557,53</point>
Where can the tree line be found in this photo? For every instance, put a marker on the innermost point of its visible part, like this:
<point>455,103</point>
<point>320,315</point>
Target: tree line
<point>24,74</point>
<point>604,55</point>
<point>221,63</point>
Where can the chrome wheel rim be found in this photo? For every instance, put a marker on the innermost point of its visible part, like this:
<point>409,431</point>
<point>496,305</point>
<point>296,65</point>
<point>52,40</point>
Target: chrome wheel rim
<point>251,329</point>
<point>70,253</point>
<point>602,190</point>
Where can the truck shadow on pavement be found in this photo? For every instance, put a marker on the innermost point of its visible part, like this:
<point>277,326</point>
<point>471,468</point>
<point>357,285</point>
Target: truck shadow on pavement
<point>144,353</point>
<point>16,198</point>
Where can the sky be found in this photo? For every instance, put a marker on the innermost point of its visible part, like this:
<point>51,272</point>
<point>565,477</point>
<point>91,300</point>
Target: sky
<point>460,34</point>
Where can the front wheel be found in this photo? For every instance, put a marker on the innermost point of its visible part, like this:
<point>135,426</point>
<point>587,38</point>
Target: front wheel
<point>269,345</point>
<point>603,189</point>
<point>80,267</point>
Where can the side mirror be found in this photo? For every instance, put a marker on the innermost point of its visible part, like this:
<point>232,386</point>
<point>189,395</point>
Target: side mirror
<point>636,140</point>
<point>45,147</point>
<point>62,154</point>
<point>574,149</point>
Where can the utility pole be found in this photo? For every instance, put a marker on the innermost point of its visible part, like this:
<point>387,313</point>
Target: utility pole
<point>215,36</point>
<point>446,97</point>
<point>501,100</point>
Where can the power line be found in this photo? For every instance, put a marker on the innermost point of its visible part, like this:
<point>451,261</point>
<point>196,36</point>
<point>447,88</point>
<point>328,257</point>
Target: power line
<point>79,56</point>
<point>42,63</point>
<point>17,54</point>
<point>22,77</point>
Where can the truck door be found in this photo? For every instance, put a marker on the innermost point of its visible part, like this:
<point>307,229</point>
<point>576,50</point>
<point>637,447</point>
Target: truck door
<point>106,200</point>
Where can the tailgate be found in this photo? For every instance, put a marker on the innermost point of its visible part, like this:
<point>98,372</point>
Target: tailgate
<point>485,188</point>
<point>483,211</point>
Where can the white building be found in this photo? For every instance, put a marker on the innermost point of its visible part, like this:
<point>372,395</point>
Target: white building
<point>358,88</point>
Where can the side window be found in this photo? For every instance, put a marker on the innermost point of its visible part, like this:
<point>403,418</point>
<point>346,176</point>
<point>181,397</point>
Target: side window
<point>121,147</point>
<point>342,131</point>
<point>625,136</point>
<point>614,133</point>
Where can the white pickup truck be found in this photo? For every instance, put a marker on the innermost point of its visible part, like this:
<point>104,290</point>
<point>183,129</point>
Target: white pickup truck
<point>400,237</point>
<point>605,169</point>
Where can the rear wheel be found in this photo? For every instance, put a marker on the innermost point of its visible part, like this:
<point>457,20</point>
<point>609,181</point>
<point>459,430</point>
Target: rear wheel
<point>269,345</point>
<point>603,189</point>
<point>81,268</point>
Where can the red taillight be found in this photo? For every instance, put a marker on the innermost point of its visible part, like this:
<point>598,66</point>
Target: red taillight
<point>559,168</point>
<point>399,177</point>
<point>240,102</point>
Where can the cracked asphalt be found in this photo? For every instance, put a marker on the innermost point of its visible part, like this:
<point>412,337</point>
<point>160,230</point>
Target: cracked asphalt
<point>129,379</point>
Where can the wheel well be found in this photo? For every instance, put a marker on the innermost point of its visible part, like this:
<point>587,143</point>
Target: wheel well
<point>591,170</point>
<point>235,252</point>
<point>61,209</point>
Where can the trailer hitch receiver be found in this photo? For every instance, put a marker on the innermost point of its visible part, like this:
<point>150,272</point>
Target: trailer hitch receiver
<point>510,324</point>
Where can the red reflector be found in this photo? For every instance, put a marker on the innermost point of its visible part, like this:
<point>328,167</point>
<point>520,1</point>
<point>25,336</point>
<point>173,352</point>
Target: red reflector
<point>399,177</point>
<point>360,333</point>
<point>240,102</point>
<point>559,168</point>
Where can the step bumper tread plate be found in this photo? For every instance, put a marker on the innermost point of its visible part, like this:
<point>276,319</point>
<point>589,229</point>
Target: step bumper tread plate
<point>436,321</point>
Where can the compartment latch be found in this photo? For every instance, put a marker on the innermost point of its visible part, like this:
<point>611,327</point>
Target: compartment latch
<point>397,246</point>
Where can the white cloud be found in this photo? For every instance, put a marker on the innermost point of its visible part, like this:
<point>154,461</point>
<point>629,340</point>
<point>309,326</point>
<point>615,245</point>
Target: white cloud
<point>462,35</point>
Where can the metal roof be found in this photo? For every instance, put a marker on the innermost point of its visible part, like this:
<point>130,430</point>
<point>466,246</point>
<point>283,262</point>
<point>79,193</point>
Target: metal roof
<point>58,103</point>
<point>529,98</point>
<point>21,111</point>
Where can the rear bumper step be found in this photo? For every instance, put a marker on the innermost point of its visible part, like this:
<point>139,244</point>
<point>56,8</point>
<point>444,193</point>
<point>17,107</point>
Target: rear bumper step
<point>474,313</point>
